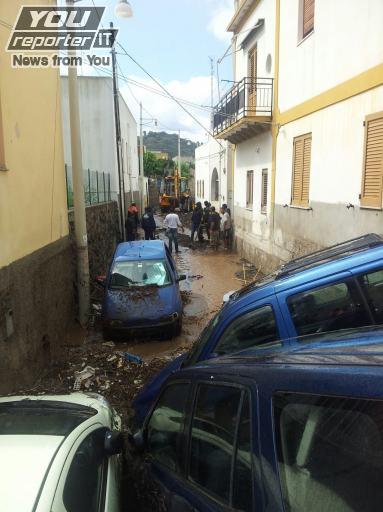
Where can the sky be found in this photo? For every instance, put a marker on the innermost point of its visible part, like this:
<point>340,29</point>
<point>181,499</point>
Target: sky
<point>173,40</point>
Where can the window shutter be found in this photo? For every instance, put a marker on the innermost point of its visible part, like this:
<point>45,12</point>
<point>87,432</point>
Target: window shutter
<point>301,170</point>
<point>373,162</point>
<point>252,100</point>
<point>308,16</point>
<point>265,180</point>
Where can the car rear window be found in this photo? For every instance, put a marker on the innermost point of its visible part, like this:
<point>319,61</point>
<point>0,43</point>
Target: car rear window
<point>330,452</point>
<point>38,417</point>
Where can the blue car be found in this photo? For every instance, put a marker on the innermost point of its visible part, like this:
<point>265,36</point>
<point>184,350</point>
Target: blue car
<point>141,291</point>
<point>299,430</point>
<point>337,288</point>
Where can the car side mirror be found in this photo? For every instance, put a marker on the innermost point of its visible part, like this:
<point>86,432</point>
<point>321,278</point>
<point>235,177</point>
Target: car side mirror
<point>182,277</point>
<point>137,441</point>
<point>101,280</point>
<point>113,442</point>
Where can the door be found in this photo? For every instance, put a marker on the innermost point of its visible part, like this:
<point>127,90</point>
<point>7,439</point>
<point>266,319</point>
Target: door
<point>252,81</point>
<point>219,440</point>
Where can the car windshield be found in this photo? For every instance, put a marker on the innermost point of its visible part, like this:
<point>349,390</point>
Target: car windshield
<point>39,417</point>
<point>127,274</point>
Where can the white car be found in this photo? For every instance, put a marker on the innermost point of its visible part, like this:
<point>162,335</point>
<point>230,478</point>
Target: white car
<point>59,454</point>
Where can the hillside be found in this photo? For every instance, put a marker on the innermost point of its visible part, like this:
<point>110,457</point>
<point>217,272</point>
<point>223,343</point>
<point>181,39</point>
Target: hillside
<point>168,142</point>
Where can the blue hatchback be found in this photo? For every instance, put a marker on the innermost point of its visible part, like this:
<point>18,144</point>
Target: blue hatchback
<point>298,430</point>
<point>338,288</point>
<point>141,291</point>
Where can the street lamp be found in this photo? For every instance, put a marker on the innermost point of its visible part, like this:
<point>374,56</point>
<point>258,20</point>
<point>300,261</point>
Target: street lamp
<point>123,9</point>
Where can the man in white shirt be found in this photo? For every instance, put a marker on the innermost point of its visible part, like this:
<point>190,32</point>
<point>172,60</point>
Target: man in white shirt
<point>172,223</point>
<point>225,226</point>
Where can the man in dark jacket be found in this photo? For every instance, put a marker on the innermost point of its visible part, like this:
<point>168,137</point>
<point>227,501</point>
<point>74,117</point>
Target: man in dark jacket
<point>148,224</point>
<point>196,222</point>
<point>206,217</point>
<point>130,225</point>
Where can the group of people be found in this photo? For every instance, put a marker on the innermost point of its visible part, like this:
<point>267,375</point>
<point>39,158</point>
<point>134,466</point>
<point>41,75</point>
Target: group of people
<point>216,225</point>
<point>132,223</point>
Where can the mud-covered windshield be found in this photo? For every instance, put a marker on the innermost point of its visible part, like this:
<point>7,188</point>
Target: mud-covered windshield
<point>126,274</point>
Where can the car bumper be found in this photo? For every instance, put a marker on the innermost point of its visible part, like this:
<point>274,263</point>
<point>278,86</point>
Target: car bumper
<point>144,325</point>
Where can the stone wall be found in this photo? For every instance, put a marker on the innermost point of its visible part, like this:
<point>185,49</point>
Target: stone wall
<point>36,309</point>
<point>103,235</point>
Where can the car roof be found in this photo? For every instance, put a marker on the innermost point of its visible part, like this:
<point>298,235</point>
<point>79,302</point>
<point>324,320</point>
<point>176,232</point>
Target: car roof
<point>25,461</point>
<point>339,258</point>
<point>144,249</point>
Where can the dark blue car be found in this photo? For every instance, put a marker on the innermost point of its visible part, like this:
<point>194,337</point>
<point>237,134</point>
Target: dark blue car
<point>142,291</point>
<point>299,430</point>
<point>340,287</point>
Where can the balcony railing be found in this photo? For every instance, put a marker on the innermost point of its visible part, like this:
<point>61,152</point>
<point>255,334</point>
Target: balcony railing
<point>249,98</point>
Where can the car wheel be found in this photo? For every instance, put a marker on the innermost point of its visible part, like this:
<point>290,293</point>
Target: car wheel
<point>177,328</point>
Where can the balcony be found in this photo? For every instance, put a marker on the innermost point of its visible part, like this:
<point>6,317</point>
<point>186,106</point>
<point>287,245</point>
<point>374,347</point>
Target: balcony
<point>245,111</point>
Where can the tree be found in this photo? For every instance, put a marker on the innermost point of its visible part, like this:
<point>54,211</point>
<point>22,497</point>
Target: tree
<point>150,163</point>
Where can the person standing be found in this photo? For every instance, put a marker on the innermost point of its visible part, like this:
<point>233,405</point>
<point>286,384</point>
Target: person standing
<point>172,223</point>
<point>225,226</point>
<point>130,226</point>
<point>148,224</point>
<point>214,225</point>
<point>196,222</point>
<point>133,212</point>
<point>205,218</point>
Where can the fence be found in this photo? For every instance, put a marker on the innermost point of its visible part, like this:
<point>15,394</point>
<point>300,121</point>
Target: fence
<point>96,187</point>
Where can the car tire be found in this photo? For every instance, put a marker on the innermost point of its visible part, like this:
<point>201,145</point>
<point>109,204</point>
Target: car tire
<point>177,328</point>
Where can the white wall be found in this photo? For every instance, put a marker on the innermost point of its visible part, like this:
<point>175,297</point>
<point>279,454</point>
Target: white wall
<point>346,41</point>
<point>336,152</point>
<point>264,37</point>
<point>98,138</point>
<point>210,156</point>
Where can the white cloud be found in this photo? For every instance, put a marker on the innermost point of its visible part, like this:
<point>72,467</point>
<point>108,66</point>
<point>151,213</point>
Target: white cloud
<point>222,12</point>
<point>169,114</point>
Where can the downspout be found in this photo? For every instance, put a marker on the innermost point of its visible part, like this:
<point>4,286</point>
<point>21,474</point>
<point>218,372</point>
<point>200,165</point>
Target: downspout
<point>275,117</point>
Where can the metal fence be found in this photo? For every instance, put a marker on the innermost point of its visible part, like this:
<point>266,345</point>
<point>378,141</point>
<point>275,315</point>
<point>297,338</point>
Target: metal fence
<point>96,187</point>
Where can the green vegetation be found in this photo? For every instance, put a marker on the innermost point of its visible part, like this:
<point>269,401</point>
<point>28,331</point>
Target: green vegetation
<point>168,142</point>
<point>157,168</point>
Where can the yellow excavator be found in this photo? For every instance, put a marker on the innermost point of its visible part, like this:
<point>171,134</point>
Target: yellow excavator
<point>176,193</point>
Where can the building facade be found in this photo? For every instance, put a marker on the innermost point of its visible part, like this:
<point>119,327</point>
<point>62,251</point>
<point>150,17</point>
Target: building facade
<point>329,147</point>
<point>213,180</point>
<point>98,134</point>
<point>244,118</point>
<point>36,273</point>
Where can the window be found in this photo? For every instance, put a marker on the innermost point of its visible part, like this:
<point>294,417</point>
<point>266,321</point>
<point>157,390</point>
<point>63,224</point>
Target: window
<point>199,345</point>
<point>249,189</point>
<point>243,478</point>
<point>214,185</point>
<point>265,179</point>
<point>329,308</point>
<point>372,285</point>
<point>255,328</point>
<point>212,439</point>
<point>203,189</point>
<point>308,11</point>
<point>330,452</point>
<point>85,485</point>
<point>301,170</point>
<point>373,162</point>
<point>165,427</point>
<point>252,89</point>
<point>2,154</point>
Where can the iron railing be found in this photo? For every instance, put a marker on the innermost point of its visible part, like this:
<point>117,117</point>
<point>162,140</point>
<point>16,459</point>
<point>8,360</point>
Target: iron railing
<point>96,187</point>
<point>248,98</point>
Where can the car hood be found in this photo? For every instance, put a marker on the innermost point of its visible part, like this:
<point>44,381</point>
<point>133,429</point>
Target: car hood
<point>146,303</point>
<point>148,394</point>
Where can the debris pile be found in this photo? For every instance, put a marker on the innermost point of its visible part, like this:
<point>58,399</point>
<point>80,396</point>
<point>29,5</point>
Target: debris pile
<point>102,368</point>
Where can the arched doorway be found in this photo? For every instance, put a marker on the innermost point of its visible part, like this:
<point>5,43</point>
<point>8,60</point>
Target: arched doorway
<point>214,194</point>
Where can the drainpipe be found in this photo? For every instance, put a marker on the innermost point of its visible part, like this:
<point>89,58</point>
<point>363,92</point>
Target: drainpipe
<point>275,117</point>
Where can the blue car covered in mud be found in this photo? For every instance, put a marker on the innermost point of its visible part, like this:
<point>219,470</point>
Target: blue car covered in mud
<point>141,291</point>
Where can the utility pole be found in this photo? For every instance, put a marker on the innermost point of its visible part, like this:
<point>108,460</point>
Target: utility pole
<point>78,195</point>
<point>141,180</point>
<point>121,184</point>
<point>211,90</point>
<point>178,179</point>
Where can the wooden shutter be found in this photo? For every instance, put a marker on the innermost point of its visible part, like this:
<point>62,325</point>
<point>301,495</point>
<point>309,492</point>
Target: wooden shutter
<point>249,189</point>
<point>252,88</point>
<point>2,155</point>
<point>301,170</point>
<point>265,180</point>
<point>373,162</point>
<point>308,16</point>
